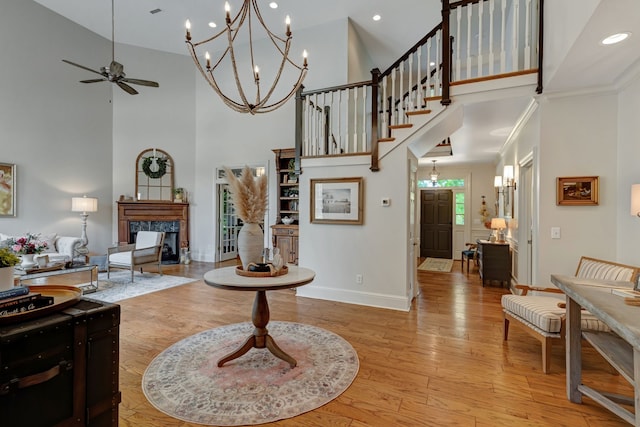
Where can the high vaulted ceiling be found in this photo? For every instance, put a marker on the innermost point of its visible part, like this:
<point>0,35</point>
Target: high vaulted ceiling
<point>574,59</point>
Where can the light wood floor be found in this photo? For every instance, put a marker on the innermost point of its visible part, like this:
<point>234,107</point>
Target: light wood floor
<point>443,363</point>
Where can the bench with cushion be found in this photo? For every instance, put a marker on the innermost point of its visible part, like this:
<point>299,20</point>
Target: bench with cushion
<point>543,316</point>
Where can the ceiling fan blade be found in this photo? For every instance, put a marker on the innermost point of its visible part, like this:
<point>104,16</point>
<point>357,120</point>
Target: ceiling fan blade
<point>93,81</point>
<point>82,66</point>
<point>140,82</point>
<point>127,88</point>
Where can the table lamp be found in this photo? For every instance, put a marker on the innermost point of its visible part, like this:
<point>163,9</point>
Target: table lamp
<point>84,205</point>
<point>498,224</point>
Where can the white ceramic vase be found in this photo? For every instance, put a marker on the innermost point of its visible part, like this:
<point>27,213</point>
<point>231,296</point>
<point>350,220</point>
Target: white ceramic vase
<point>27,261</point>
<point>6,278</point>
<point>250,244</point>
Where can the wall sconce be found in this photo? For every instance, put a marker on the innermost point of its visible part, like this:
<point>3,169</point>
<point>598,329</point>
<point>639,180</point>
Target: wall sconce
<point>497,184</point>
<point>508,177</point>
<point>635,200</point>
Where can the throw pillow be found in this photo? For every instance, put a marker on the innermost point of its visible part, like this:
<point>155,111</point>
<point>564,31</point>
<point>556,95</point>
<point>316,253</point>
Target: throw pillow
<point>50,240</point>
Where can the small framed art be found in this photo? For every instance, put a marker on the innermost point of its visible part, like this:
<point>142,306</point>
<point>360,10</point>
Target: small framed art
<point>577,191</point>
<point>7,189</point>
<point>337,201</point>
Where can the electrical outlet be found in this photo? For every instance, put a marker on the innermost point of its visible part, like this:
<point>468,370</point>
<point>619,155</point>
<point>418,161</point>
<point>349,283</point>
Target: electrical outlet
<point>359,279</point>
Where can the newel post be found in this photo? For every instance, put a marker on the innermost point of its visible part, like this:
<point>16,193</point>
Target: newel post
<point>446,53</point>
<point>375,111</point>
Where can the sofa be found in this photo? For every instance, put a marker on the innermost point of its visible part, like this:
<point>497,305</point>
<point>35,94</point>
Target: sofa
<point>59,248</point>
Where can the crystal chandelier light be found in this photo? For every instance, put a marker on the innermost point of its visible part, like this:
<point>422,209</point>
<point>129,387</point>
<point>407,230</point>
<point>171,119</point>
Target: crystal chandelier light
<point>434,174</point>
<point>243,102</point>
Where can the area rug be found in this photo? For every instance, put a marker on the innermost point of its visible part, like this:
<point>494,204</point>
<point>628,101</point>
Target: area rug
<point>185,382</point>
<point>119,286</point>
<point>436,264</point>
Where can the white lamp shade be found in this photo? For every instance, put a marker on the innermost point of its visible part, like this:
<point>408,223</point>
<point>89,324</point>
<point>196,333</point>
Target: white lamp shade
<point>497,181</point>
<point>498,223</point>
<point>84,204</point>
<point>508,174</point>
<point>635,199</point>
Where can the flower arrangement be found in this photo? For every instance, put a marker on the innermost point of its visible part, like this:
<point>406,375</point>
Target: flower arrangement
<point>29,244</point>
<point>248,194</point>
<point>485,215</point>
<point>8,258</point>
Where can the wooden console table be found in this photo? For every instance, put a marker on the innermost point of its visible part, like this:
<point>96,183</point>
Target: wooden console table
<point>621,350</point>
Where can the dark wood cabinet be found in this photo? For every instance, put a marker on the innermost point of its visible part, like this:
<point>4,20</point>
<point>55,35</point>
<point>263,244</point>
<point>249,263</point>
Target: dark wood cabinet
<point>285,236</point>
<point>494,261</point>
<point>62,369</point>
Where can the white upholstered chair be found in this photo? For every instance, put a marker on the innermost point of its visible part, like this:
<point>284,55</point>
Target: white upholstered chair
<point>146,250</point>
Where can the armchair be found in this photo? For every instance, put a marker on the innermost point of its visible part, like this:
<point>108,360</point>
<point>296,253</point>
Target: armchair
<point>146,250</point>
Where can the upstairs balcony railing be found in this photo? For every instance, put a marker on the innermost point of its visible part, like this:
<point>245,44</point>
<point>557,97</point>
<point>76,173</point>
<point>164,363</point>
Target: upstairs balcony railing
<point>477,39</point>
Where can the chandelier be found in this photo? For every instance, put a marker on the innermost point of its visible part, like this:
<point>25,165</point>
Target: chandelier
<point>242,101</point>
<point>434,174</point>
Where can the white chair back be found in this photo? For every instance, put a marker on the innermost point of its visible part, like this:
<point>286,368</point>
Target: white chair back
<point>148,239</point>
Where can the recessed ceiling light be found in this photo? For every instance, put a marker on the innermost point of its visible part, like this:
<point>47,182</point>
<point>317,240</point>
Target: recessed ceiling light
<point>273,5</point>
<point>376,17</point>
<point>212,24</point>
<point>431,64</point>
<point>616,38</point>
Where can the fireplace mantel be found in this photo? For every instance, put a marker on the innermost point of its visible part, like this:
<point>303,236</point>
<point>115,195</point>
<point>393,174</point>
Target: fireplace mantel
<point>153,211</point>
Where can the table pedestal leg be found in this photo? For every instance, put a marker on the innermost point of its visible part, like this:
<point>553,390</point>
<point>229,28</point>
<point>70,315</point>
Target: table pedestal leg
<point>260,337</point>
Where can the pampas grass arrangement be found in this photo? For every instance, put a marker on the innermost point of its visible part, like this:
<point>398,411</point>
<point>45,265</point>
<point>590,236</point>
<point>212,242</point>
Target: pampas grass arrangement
<point>248,194</point>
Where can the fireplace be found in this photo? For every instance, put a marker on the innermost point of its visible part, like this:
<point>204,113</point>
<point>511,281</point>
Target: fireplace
<point>171,248</point>
<point>170,217</point>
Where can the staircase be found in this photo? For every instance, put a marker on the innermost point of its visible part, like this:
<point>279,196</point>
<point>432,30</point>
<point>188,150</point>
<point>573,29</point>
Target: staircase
<point>477,41</point>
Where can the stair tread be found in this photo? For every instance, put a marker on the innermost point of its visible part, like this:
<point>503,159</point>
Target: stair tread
<point>432,98</point>
<point>391,139</point>
<point>402,126</point>
<point>418,112</point>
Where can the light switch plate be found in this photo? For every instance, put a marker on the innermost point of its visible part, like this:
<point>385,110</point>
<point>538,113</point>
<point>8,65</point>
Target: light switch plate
<point>555,232</point>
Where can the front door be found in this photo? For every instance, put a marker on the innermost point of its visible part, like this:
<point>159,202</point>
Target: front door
<point>436,222</point>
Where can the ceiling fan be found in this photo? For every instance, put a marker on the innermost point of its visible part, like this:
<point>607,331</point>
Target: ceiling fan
<point>114,73</point>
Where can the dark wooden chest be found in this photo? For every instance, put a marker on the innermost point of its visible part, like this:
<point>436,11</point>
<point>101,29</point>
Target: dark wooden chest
<point>62,369</point>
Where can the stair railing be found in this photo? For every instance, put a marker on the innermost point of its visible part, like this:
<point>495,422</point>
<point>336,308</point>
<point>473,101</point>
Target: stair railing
<point>476,39</point>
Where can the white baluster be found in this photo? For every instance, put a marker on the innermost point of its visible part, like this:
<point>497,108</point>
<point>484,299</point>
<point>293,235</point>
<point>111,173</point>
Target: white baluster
<point>340,133</point>
<point>419,95</point>
<point>428,80</point>
<point>503,36</point>
<point>492,4</point>
<point>355,120</point>
<point>364,119</point>
<point>392,103</point>
<point>458,41</point>
<point>411,94</point>
<point>514,48</point>
<point>383,122</point>
<point>401,104</point>
<point>480,16</point>
<point>346,120</point>
<point>527,36</point>
<point>437,89</point>
<point>469,9</point>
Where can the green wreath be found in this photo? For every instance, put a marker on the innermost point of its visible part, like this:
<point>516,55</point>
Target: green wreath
<point>162,167</point>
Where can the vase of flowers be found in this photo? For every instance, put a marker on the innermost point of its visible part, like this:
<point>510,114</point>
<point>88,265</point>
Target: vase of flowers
<point>7,261</point>
<point>249,198</point>
<point>27,247</point>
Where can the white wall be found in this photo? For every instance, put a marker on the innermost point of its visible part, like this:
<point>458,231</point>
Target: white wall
<point>162,117</point>
<point>578,138</point>
<point>56,130</point>
<point>628,226</point>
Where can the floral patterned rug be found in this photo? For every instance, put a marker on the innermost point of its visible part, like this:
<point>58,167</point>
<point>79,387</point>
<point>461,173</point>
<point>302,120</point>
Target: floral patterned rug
<point>185,382</point>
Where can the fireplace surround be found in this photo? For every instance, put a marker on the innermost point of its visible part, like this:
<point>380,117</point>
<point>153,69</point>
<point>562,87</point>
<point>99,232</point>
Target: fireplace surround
<point>170,217</point>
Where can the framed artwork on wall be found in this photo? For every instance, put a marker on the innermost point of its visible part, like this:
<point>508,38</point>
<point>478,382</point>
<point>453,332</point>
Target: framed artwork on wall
<point>577,191</point>
<point>337,201</point>
<point>7,189</point>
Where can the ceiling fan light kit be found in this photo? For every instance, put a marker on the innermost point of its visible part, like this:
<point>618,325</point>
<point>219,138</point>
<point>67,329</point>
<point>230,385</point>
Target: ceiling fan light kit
<point>114,73</point>
<point>240,102</point>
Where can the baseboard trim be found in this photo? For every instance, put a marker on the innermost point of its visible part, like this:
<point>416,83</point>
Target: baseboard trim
<point>391,302</point>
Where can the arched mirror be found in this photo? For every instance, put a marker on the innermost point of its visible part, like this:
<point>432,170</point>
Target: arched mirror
<point>154,175</point>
